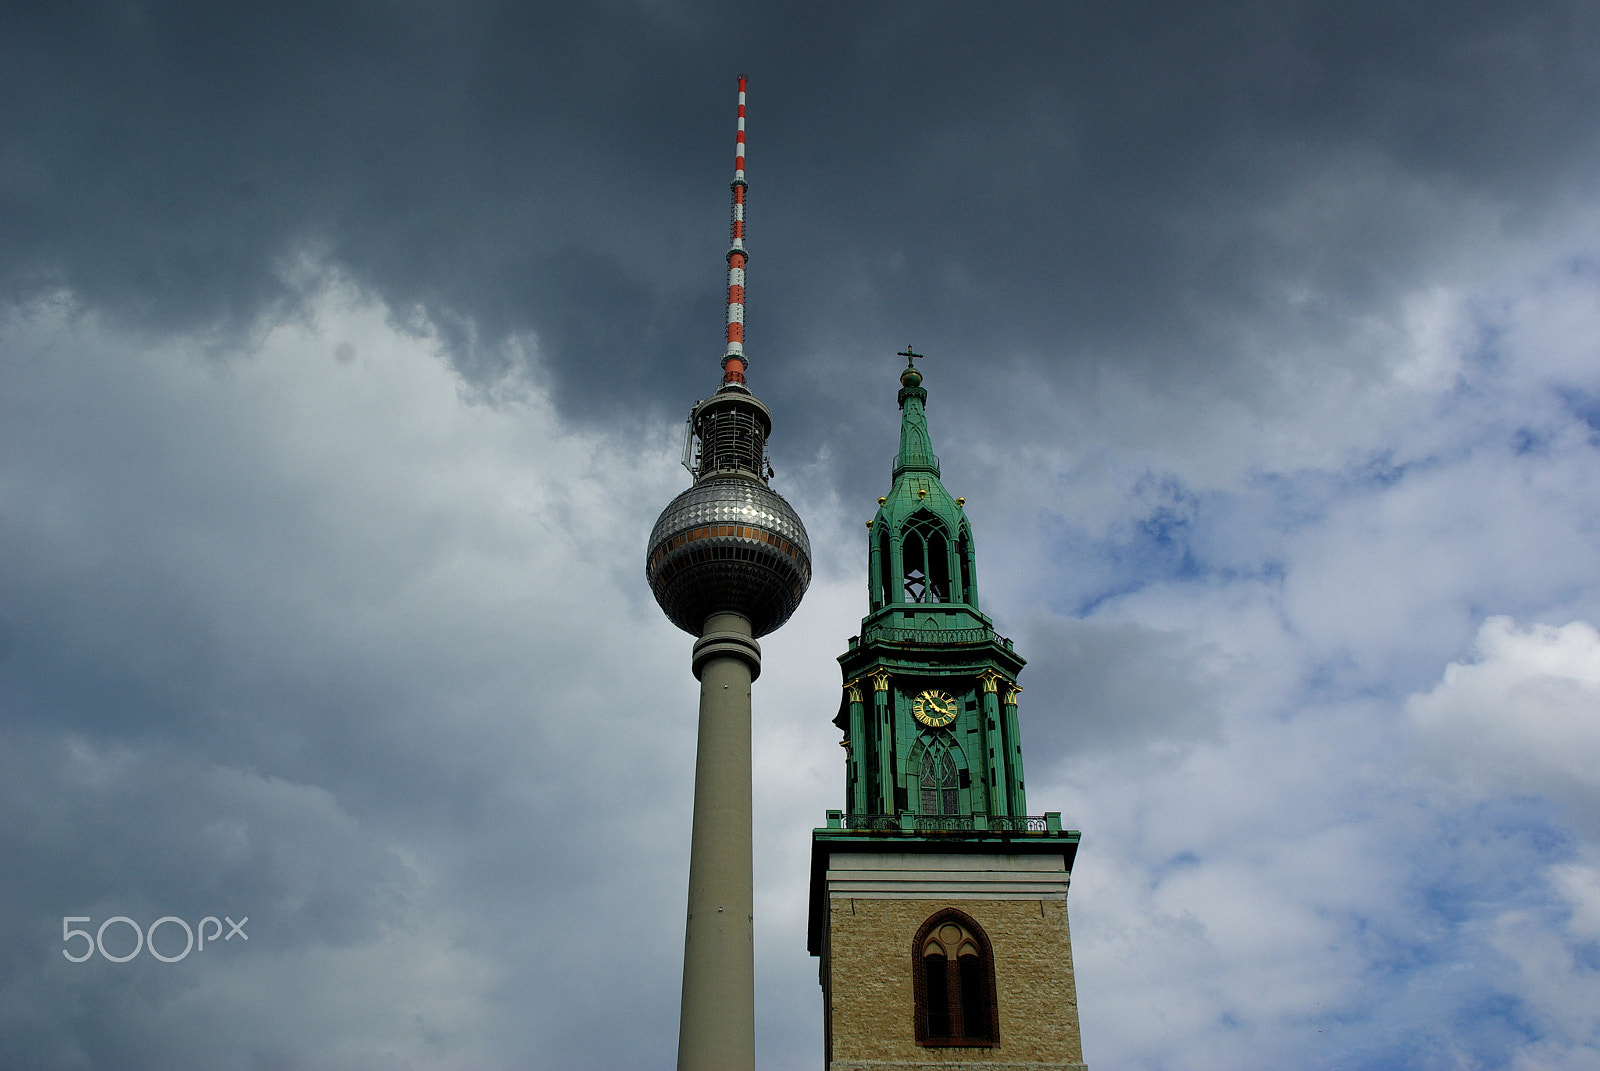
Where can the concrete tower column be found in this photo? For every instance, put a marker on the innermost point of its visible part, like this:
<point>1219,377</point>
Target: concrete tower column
<point>717,1026</point>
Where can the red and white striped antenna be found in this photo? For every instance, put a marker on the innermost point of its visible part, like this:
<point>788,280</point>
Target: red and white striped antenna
<point>733,361</point>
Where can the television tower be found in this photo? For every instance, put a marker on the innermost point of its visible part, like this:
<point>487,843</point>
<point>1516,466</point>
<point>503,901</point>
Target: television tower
<point>728,562</point>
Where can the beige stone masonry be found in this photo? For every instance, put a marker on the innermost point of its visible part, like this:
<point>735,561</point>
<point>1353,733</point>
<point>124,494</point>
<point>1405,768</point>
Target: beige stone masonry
<point>876,905</point>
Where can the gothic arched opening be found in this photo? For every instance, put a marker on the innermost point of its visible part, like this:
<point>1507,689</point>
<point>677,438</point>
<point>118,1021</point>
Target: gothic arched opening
<point>914,561</point>
<point>953,981</point>
<point>940,782</point>
<point>925,554</point>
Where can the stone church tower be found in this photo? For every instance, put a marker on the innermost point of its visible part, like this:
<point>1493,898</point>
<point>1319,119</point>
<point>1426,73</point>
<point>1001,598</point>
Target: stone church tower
<point>938,904</point>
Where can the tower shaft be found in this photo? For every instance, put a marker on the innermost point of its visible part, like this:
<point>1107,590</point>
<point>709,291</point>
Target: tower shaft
<point>717,1029</point>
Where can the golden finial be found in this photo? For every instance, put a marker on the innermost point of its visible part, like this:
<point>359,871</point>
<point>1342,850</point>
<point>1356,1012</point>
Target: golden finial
<point>910,377</point>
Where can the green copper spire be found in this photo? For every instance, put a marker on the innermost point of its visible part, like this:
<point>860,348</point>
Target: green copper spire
<point>922,552</point>
<point>916,449</point>
<point>929,711</point>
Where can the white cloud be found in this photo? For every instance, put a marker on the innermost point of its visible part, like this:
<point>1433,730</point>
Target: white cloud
<point>1558,991</point>
<point>1523,715</point>
<point>1579,884</point>
<point>319,636</point>
<point>1293,884</point>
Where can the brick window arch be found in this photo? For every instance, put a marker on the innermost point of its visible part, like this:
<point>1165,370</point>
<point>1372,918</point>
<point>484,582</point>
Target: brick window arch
<point>953,971</point>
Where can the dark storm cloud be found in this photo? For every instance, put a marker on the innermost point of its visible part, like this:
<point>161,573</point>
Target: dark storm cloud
<point>239,681</point>
<point>1065,183</point>
<point>1117,686</point>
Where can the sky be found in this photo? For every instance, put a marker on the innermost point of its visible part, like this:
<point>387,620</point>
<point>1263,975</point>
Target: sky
<point>345,349</point>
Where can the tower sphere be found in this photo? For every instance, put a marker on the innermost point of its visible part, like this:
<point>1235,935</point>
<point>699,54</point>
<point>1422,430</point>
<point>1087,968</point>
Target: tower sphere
<point>729,543</point>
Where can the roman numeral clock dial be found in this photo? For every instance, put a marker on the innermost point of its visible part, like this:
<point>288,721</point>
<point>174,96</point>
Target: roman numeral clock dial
<point>934,708</point>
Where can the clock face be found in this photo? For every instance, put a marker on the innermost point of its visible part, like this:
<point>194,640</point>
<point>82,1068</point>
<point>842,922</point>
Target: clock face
<point>934,708</point>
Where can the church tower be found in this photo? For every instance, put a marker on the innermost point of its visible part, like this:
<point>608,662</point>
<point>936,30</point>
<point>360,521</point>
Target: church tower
<point>938,904</point>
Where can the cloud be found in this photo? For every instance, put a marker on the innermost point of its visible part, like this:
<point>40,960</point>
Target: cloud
<point>1523,715</point>
<point>1579,885</point>
<point>1123,684</point>
<point>1212,204</point>
<point>327,913</point>
<point>1295,881</point>
<point>322,640</point>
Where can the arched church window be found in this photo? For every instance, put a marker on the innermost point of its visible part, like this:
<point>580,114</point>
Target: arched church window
<point>913,555</point>
<point>926,556</point>
<point>954,982</point>
<point>940,790</point>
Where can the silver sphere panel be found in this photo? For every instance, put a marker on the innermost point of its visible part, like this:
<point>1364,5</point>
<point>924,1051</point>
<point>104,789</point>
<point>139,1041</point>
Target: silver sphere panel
<point>729,544</point>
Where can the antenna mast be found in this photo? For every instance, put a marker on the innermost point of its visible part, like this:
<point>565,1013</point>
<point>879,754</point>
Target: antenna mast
<point>733,361</point>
